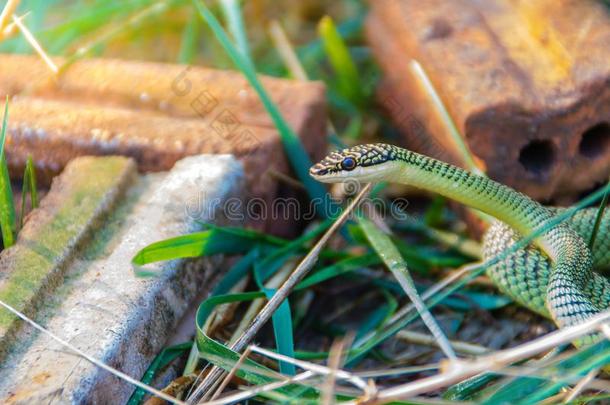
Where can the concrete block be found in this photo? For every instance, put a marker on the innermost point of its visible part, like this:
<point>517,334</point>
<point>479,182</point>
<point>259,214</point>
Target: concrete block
<point>65,221</point>
<point>108,311</point>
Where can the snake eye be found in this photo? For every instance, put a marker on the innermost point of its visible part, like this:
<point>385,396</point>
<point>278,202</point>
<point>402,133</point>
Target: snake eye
<point>348,163</point>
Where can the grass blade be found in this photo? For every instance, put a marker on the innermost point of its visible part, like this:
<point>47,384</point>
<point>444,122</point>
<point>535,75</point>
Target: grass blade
<point>235,21</point>
<point>209,242</point>
<point>283,332</point>
<point>7,204</point>
<point>222,356</point>
<point>166,356</point>
<point>530,389</point>
<point>33,188</point>
<point>311,52</point>
<point>188,43</point>
<point>281,318</point>
<point>390,255</point>
<point>297,156</point>
<point>286,51</point>
<point>598,219</point>
<point>464,152</point>
<point>347,74</point>
<point>29,185</point>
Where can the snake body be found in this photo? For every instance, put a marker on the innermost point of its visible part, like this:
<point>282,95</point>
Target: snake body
<point>553,276</point>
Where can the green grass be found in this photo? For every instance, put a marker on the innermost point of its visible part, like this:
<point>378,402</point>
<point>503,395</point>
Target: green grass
<point>598,219</point>
<point>393,260</point>
<point>233,16</point>
<point>349,82</point>
<point>163,359</point>
<point>8,223</point>
<point>189,41</point>
<point>212,241</point>
<point>29,187</point>
<point>298,158</point>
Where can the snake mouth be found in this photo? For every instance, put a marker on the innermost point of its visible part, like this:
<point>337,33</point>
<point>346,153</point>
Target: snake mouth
<point>323,174</point>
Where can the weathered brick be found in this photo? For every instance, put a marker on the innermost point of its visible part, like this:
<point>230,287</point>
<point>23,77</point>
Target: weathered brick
<point>525,82</point>
<point>155,113</point>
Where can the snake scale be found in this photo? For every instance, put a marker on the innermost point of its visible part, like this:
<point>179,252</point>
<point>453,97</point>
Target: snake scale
<point>554,276</point>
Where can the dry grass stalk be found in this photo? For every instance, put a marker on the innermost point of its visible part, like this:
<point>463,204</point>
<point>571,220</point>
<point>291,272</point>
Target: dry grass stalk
<point>290,58</point>
<point>35,44</point>
<point>317,368</point>
<point>11,29</point>
<point>286,51</point>
<point>462,369</point>
<point>258,390</point>
<point>428,340</point>
<point>582,384</point>
<point>231,374</point>
<point>336,359</point>
<point>9,8</point>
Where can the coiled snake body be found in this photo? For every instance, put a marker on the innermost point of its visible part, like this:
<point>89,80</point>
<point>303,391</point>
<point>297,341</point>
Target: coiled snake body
<point>554,276</point>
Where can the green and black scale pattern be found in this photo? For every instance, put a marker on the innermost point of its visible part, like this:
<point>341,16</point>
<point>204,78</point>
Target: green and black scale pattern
<point>529,287</point>
<point>553,277</point>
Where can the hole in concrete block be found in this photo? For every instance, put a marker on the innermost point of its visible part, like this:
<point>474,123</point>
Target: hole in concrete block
<point>438,29</point>
<point>537,156</point>
<point>595,141</point>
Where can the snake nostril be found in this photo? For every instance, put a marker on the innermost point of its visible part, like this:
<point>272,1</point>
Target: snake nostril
<point>318,170</point>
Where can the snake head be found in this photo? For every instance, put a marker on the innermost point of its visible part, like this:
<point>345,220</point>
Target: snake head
<point>363,162</point>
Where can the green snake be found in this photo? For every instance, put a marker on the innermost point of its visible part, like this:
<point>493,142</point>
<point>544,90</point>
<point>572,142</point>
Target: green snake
<point>553,276</point>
